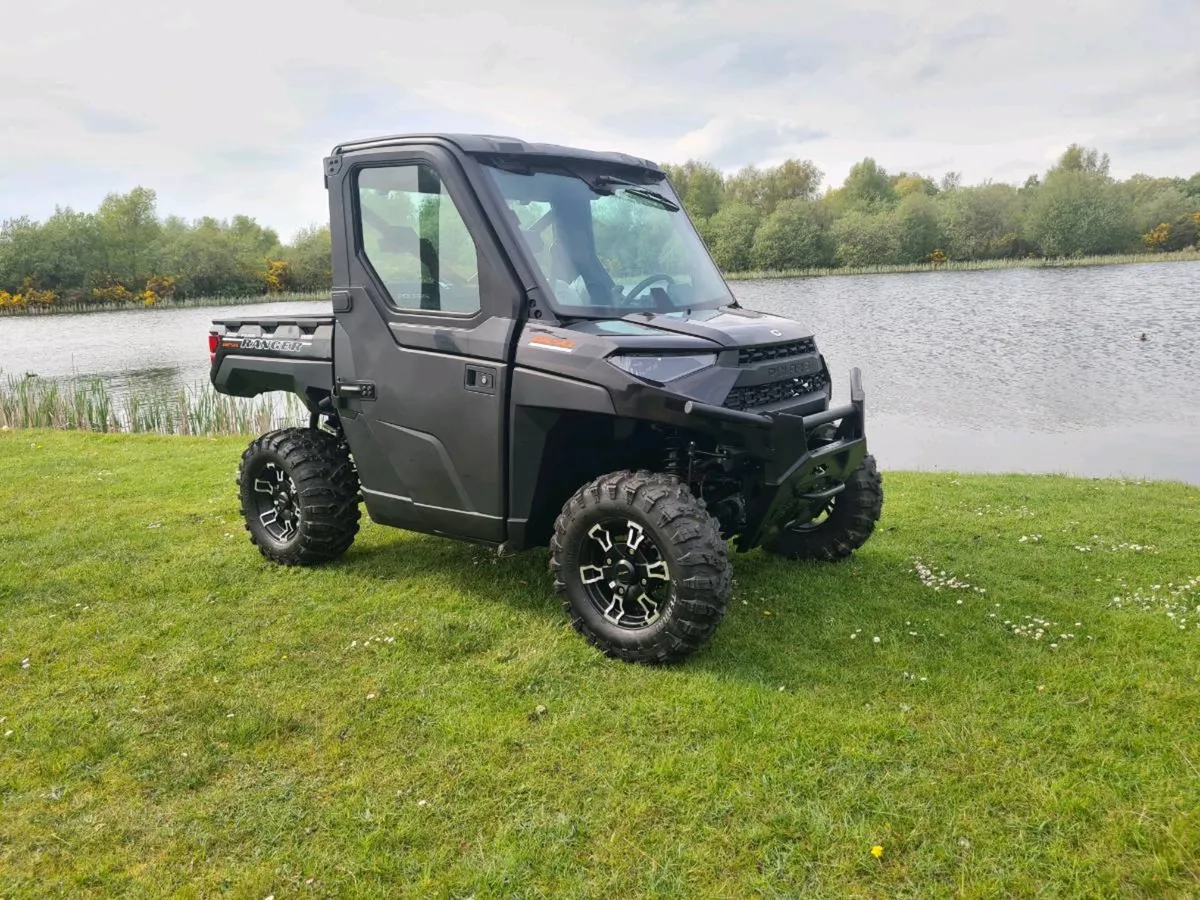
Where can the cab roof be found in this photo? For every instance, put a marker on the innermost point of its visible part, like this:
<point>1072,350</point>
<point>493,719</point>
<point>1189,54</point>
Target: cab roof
<point>498,145</point>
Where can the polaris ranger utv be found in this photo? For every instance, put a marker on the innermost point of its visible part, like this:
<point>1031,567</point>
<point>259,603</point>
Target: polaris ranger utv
<point>530,346</point>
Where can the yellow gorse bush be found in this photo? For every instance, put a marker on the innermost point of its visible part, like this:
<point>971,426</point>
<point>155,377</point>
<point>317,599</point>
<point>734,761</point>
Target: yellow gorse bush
<point>162,286</point>
<point>27,296</point>
<point>1157,239</point>
<point>111,291</point>
<point>276,276</point>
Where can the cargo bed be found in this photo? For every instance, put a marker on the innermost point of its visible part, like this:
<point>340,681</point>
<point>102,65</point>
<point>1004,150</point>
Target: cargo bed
<point>252,356</point>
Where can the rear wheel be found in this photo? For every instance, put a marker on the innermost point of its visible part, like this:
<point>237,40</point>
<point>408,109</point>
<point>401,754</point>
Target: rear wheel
<point>299,494</point>
<point>642,567</point>
<point>843,527</point>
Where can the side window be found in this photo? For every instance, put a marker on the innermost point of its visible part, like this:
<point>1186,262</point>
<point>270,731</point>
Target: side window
<point>416,241</point>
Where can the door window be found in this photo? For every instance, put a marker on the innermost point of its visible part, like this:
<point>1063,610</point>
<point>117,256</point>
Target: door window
<point>416,241</point>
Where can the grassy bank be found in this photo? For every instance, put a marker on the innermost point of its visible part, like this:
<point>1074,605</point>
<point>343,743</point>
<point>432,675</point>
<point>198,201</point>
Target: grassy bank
<point>975,265</point>
<point>167,303</point>
<point>179,718</point>
<point>88,405</point>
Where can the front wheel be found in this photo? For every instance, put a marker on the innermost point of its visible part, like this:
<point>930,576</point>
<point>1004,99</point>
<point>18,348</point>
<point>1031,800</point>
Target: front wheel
<point>841,528</point>
<point>300,492</point>
<point>642,567</point>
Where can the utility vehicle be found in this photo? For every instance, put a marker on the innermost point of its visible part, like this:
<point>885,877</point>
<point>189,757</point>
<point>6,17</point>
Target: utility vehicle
<point>530,345</point>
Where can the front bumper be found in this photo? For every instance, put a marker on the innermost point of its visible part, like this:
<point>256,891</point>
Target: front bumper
<point>806,460</point>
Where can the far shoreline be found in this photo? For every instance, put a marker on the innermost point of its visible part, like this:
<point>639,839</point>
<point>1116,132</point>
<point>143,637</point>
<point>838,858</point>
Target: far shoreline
<point>978,265</point>
<point>984,265</point>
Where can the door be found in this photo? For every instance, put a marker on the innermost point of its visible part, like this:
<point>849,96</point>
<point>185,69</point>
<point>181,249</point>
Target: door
<point>426,308</point>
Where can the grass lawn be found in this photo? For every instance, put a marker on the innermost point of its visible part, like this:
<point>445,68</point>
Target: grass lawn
<point>178,717</point>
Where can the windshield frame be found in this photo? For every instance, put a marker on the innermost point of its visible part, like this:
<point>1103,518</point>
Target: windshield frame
<point>603,178</point>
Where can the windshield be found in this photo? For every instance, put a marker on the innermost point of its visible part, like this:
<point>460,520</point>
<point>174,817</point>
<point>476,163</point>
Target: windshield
<point>608,246</point>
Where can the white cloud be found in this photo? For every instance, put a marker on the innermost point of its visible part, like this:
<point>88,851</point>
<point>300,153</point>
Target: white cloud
<point>227,106</point>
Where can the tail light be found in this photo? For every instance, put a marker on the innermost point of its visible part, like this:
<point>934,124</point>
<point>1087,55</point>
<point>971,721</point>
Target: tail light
<point>213,340</point>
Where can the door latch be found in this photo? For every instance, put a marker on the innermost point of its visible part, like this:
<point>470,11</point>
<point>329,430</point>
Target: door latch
<point>481,379</point>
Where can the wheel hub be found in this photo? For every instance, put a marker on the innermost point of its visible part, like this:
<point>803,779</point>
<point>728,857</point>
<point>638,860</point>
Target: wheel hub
<point>275,501</point>
<point>624,573</point>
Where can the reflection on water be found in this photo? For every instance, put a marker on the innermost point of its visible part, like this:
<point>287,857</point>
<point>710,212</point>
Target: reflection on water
<point>1016,370</point>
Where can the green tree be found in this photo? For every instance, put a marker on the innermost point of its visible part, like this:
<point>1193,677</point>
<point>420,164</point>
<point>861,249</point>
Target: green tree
<point>207,261</point>
<point>866,239</point>
<point>951,181</point>
<point>70,250</point>
<point>1082,159</point>
<point>765,189</point>
<point>253,238</point>
<point>700,186</point>
<point>310,259</point>
<point>21,252</point>
<point>980,222</point>
<point>906,183</point>
<point>918,229</point>
<point>794,236</point>
<point>793,179</point>
<point>129,227</point>
<point>1079,213</point>
<point>1164,205</point>
<point>867,188</point>
<point>730,235</point>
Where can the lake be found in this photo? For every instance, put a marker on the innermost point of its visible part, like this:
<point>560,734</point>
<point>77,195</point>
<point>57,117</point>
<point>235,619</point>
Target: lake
<point>1015,370</point>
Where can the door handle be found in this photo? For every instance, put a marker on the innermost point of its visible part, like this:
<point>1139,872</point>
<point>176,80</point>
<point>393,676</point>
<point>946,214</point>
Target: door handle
<point>357,390</point>
<point>480,379</point>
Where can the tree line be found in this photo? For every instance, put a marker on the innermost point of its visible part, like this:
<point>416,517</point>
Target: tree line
<point>779,219</point>
<point>125,252</point>
<point>769,219</point>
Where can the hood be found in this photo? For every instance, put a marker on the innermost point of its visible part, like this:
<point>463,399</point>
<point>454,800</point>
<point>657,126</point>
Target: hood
<point>728,326</point>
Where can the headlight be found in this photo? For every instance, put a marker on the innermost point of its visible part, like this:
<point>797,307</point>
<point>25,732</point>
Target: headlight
<point>661,369</point>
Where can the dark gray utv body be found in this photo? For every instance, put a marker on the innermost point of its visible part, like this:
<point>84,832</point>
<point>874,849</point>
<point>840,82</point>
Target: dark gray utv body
<point>529,345</point>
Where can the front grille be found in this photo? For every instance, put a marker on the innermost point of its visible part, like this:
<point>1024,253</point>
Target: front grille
<point>777,391</point>
<point>749,355</point>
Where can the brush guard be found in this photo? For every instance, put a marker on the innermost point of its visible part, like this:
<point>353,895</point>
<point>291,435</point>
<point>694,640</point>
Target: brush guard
<point>806,460</point>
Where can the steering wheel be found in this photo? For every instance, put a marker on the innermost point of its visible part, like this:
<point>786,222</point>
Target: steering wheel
<point>646,282</point>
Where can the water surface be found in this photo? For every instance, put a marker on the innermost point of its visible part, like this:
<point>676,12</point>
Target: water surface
<point>1015,370</point>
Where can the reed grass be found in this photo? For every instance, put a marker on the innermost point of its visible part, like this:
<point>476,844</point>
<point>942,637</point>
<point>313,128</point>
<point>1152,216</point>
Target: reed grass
<point>976,265</point>
<point>86,404</point>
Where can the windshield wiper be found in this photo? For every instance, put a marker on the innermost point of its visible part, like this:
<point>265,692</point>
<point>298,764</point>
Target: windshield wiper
<point>600,182</point>
<point>653,196</point>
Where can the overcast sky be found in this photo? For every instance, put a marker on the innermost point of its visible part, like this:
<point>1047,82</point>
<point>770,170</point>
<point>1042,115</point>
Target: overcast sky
<point>227,106</point>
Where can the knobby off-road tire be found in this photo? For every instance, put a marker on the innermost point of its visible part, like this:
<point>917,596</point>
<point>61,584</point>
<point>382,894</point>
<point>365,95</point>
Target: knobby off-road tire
<point>850,522</point>
<point>299,495</point>
<point>661,588</point>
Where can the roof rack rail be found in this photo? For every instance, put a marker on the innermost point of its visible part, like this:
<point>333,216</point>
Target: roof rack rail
<point>386,139</point>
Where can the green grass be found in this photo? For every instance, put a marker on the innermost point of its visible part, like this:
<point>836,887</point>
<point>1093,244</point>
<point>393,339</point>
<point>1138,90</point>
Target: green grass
<point>180,718</point>
<point>976,265</point>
